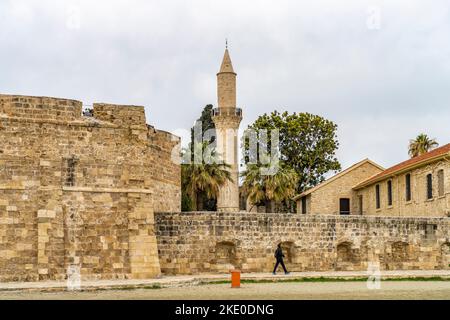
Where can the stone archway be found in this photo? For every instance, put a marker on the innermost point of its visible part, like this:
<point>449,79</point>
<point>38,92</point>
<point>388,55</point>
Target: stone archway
<point>399,251</point>
<point>398,257</point>
<point>225,257</point>
<point>347,257</point>
<point>445,255</point>
<point>344,252</point>
<point>288,248</point>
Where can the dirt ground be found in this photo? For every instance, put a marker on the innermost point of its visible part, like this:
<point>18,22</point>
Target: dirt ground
<point>299,290</point>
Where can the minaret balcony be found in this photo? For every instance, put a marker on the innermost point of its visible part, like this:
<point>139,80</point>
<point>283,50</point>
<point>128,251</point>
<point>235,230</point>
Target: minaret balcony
<point>235,112</point>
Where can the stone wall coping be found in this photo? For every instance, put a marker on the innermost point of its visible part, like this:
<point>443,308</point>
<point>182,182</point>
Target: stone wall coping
<point>168,135</point>
<point>104,104</point>
<point>81,122</point>
<point>296,217</point>
<point>4,97</point>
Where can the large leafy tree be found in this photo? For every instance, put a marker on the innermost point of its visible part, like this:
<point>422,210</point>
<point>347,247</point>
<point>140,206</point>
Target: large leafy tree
<point>307,145</point>
<point>420,145</point>
<point>203,179</point>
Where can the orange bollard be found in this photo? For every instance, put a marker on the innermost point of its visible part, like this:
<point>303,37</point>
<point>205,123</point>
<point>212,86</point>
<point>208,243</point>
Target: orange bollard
<point>235,278</point>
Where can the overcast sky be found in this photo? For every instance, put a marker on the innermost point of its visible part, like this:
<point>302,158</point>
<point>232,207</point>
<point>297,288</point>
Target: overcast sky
<point>379,69</point>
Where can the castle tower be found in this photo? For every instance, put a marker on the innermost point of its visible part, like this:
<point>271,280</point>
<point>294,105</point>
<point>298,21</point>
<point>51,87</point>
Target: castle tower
<point>227,119</point>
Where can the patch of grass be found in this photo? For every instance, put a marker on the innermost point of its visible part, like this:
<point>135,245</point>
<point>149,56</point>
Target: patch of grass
<point>123,288</point>
<point>327,279</point>
<point>436,278</point>
<point>153,286</point>
<point>131,288</point>
<point>306,279</point>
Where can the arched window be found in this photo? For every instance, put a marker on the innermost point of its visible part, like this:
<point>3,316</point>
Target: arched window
<point>377,196</point>
<point>408,187</point>
<point>429,186</point>
<point>389,192</point>
<point>441,187</point>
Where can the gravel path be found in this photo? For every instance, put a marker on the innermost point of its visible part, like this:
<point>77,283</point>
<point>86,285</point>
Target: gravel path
<point>315,290</point>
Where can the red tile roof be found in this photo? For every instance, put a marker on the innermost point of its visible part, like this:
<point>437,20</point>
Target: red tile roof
<point>438,152</point>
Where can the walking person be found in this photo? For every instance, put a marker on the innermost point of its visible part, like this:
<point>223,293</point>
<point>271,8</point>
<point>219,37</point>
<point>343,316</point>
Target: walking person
<point>279,256</point>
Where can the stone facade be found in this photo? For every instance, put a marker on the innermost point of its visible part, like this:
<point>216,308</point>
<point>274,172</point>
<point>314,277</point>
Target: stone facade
<point>81,190</point>
<point>325,198</point>
<point>197,242</point>
<point>227,119</point>
<point>419,202</point>
<point>419,186</point>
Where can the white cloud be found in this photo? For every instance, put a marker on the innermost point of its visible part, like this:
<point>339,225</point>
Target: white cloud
<point>380,86</point>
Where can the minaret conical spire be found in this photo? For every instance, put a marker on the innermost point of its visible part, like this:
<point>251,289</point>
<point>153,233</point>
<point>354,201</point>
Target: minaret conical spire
<point>226,66</point>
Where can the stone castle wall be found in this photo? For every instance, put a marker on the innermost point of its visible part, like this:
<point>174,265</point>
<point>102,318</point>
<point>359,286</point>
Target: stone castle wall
<point>190,243</point>
<point>80,191</point>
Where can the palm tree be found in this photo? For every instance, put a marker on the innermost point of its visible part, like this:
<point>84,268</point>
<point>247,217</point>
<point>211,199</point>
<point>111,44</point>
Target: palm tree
<point>264,188</point>
<point>421,144</point>
<point>204,178</point>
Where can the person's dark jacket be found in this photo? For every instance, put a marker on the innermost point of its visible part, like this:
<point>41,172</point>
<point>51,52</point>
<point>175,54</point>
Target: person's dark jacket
<point>279,254</point>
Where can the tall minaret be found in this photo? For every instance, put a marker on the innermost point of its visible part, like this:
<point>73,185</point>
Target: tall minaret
<point>227,119</point>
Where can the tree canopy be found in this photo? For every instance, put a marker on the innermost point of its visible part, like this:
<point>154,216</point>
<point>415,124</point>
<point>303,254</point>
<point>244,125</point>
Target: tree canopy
<point>206,122</point>
<point>307,145</point>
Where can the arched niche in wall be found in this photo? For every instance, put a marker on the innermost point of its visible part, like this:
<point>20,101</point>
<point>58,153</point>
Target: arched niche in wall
<point>445,255</point>
<point>347,257</point>
<point>225,256</point>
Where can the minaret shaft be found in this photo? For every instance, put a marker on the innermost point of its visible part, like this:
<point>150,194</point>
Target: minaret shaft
<point>227,119</point>
<point>226,90</point>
